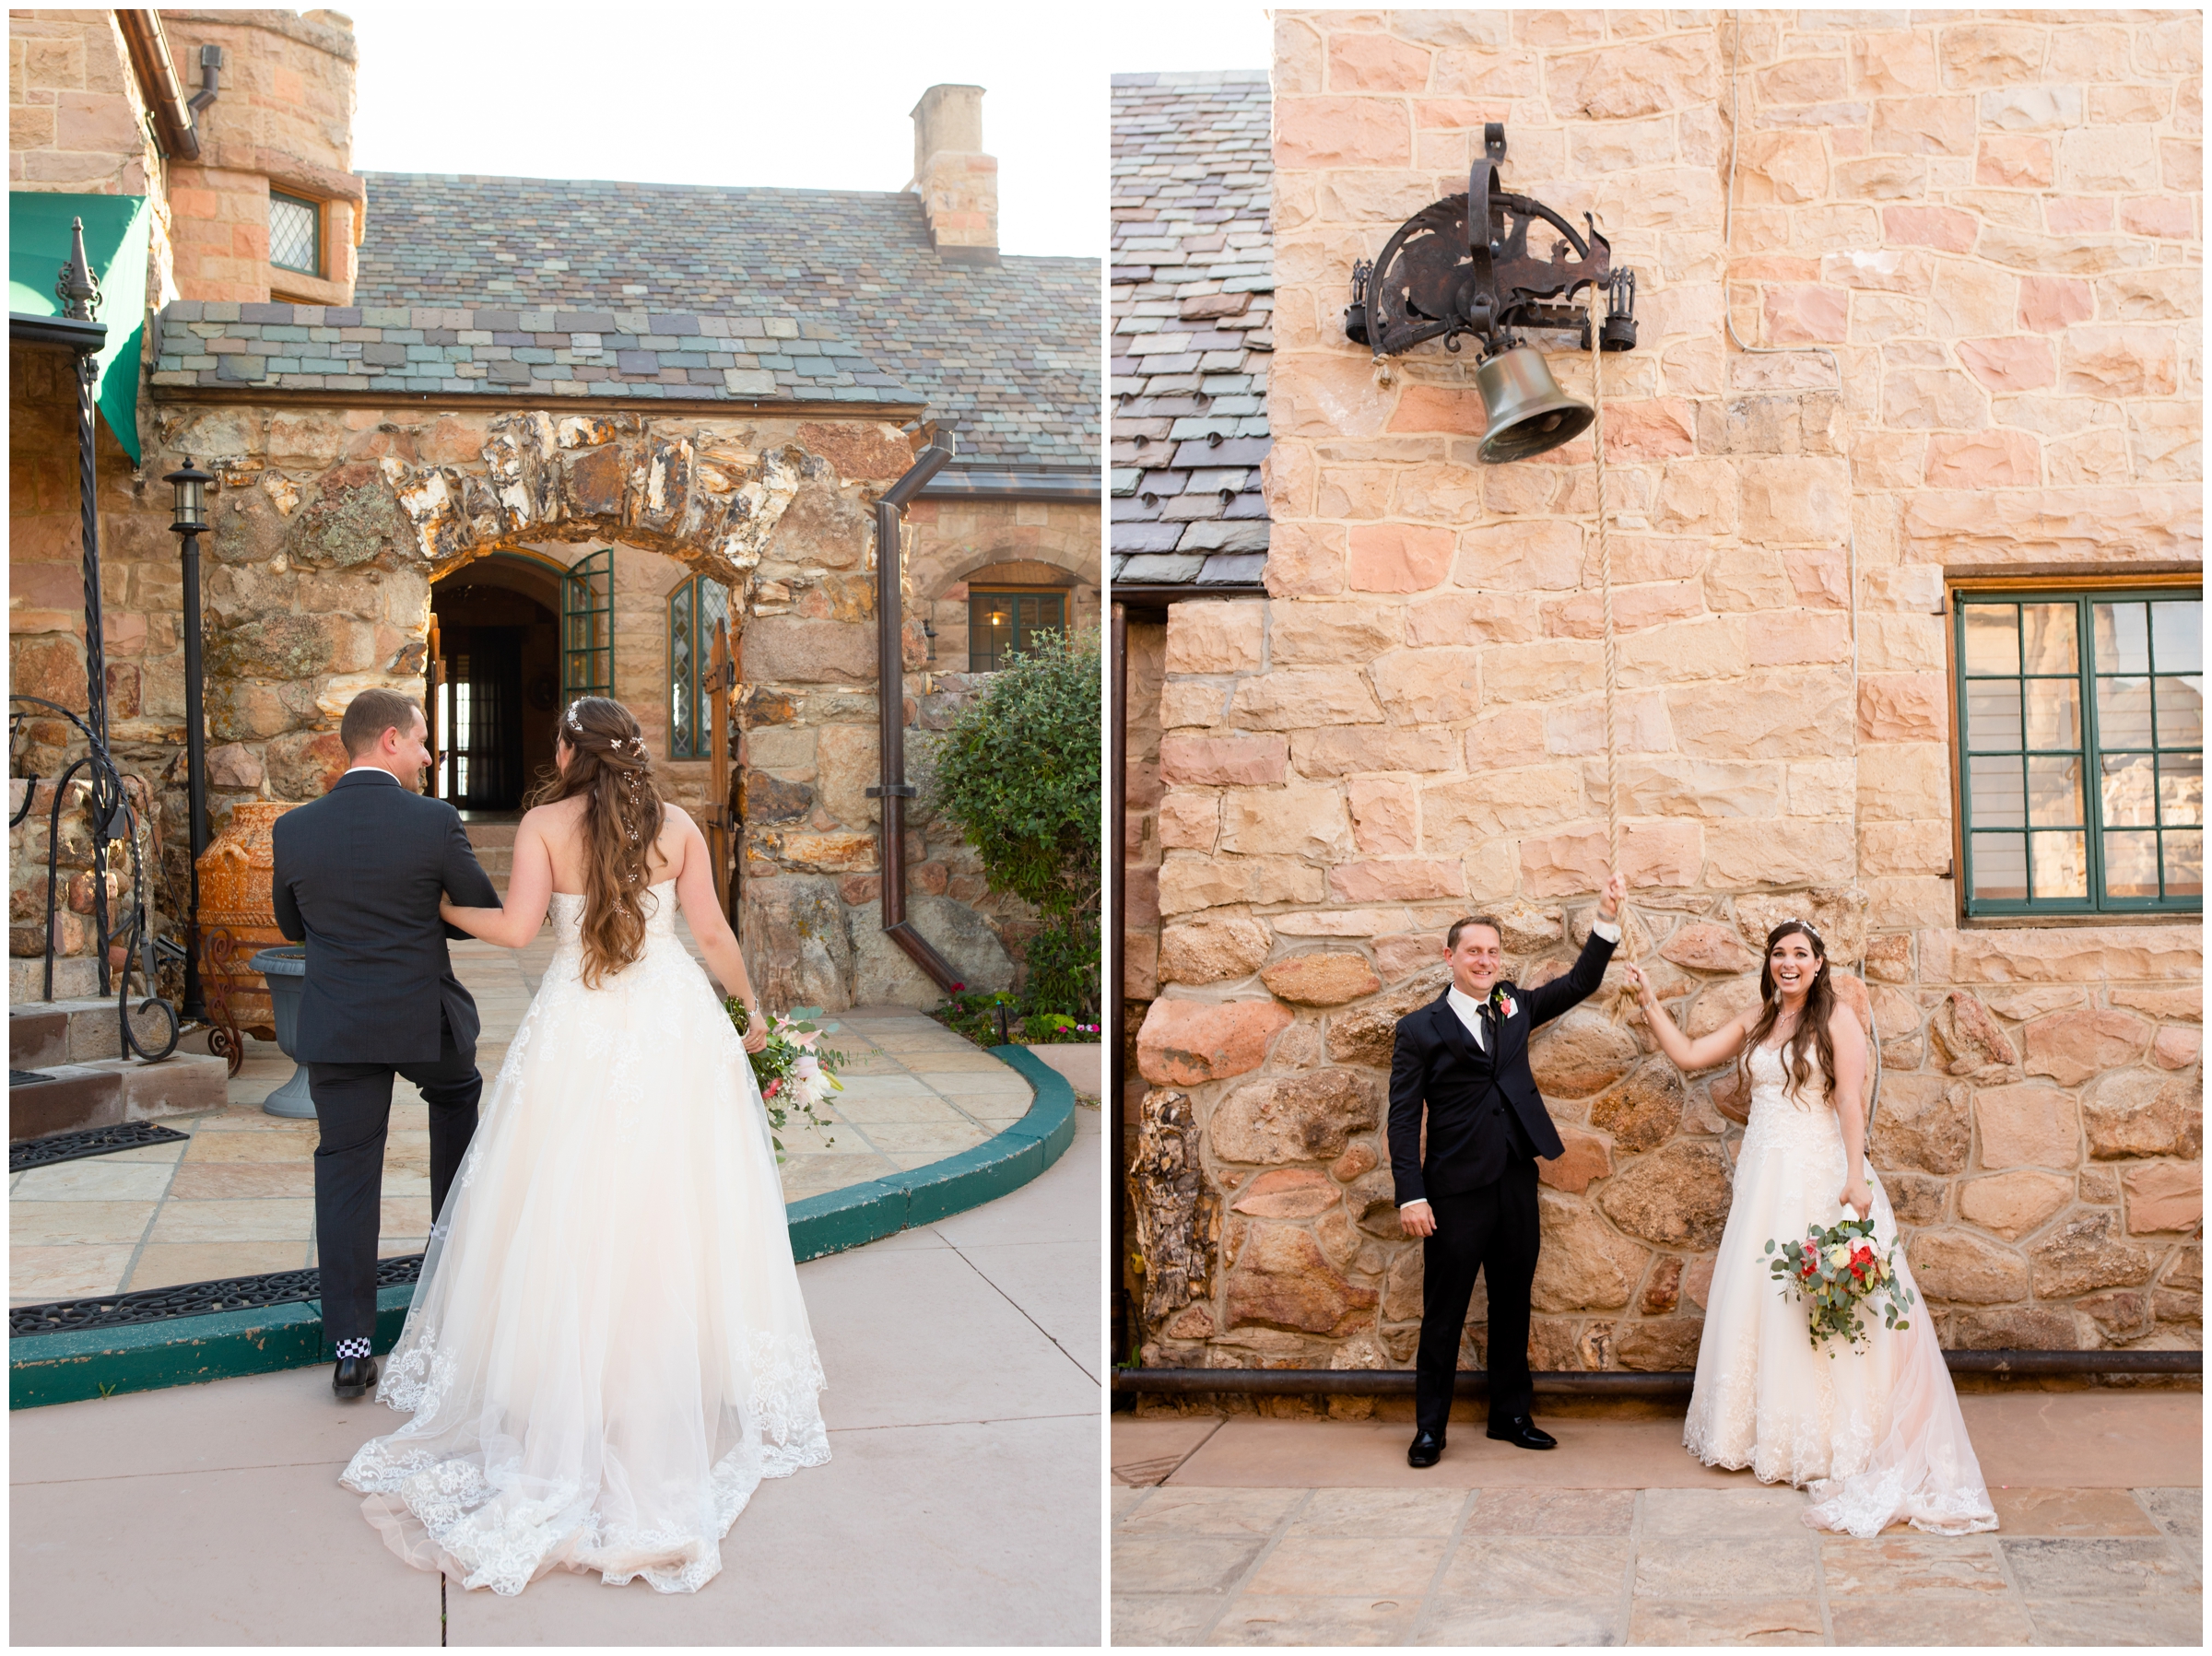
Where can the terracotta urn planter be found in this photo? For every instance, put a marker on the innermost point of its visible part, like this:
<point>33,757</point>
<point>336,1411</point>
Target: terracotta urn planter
<point>237,917</point>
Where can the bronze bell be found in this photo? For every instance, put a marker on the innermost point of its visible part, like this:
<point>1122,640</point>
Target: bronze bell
<point>1528,412</point>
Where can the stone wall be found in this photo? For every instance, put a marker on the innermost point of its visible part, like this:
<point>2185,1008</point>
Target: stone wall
<point>328,527</point>
<point>955,538</point>
<point>1992,223</point>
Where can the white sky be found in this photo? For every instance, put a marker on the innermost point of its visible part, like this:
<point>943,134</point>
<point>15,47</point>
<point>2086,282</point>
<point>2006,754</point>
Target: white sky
<point>797,97</point>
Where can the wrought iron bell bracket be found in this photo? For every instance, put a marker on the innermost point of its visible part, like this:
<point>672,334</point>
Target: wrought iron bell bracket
<point>1453,270</point>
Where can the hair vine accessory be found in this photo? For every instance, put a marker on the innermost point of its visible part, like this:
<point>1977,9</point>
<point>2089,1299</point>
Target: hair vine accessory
<point>1791,919</point>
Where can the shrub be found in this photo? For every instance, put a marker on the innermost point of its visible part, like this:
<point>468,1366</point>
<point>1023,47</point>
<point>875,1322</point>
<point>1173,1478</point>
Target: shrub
<point>1018,773</point>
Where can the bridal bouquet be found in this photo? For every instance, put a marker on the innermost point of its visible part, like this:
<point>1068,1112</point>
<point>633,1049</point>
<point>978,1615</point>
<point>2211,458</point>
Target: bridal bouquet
<point>1833,1270</point>
<point>795,1069</point>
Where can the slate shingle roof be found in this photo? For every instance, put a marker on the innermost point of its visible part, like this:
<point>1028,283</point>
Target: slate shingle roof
<point>448,351</point>
<point>1191,305</point>
<point>1007,353</point>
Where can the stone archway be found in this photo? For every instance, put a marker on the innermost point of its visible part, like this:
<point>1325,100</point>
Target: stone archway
<point>329,527</point>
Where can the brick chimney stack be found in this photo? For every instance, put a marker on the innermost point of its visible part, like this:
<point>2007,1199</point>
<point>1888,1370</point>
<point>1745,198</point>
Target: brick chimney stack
<point>956,182</point>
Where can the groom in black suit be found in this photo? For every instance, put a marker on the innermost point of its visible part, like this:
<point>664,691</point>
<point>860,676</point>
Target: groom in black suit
<point>1472,1199</point>
<point>357,877</point>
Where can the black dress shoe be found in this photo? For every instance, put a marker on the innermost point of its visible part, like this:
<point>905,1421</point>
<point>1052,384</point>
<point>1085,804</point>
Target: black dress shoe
<point>353,1377</point>
<point>1523,1433</point>
<point>1427,1448</point>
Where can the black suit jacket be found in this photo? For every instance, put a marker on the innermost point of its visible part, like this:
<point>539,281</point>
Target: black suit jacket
<point>1476,1099</point>
<point>357,877</point>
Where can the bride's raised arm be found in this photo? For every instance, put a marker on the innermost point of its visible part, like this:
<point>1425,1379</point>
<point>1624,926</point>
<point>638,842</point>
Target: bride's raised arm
<point>529,891</point>
<point>1688,1056</point>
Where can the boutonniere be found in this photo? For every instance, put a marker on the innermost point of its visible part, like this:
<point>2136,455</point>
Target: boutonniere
<point>1503,1002</point>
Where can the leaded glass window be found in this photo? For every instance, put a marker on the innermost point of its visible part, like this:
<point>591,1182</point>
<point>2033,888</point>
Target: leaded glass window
<point>2082,756</point>
<point>295,234</point>
<point>697,611</point>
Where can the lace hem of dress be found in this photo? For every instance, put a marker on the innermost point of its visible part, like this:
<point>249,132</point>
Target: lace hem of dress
<point>498,1529</point>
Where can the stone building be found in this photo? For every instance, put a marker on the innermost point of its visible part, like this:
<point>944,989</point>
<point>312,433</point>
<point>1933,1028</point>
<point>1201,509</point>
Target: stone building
<point>1888,614</point>
<point>549,433</point>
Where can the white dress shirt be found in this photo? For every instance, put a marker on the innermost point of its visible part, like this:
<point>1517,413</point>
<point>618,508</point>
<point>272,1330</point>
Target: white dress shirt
<point>1469,1010</point>
<point>378,769</point>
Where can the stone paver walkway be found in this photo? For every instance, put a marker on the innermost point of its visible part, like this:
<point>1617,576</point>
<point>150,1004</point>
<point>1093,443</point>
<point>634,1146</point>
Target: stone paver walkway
<point>239,1198</point>
<point>1226,1543</point>
<point>960,1504</point>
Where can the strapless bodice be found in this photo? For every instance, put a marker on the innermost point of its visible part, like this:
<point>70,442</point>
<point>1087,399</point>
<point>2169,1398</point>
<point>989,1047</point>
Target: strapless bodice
<point>1804,1120</point>
<point>660,915</point>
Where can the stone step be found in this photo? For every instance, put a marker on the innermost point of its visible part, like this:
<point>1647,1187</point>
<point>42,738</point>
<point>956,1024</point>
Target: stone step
<point>109,1091</point>
<point>77,978</point>
<point>62,1032</point>
<point>482,834</point>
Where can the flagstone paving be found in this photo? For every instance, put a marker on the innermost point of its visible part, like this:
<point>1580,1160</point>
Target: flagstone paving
<point>1218,1544</point>
<point>238,1197</point>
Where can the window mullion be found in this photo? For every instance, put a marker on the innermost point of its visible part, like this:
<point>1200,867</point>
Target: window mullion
<point>2092,750</point>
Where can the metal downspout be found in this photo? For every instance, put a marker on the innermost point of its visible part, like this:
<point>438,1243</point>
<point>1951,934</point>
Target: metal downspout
<point>890,714</point>
<point>176,115</point>
<point>1117,1299</point>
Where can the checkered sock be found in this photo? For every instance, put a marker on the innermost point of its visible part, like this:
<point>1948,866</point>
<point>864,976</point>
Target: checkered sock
<point>352,1348</point>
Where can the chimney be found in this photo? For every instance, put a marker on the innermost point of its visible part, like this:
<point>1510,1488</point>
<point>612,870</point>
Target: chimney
<point>956,182</point>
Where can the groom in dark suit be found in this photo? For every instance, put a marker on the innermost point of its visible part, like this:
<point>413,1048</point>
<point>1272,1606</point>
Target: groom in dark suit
<point>1472,1199</point>
<point>357,877</point>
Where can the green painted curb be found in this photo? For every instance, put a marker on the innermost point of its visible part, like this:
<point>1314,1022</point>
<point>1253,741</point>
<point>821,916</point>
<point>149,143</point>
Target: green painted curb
<point>84,1363</point>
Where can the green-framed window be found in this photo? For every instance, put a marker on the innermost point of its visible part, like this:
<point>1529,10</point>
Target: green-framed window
<point>587,627</point>
<point>697,610</point>
<point>1005,622</point>
<point>2081,759</point>
<point>295,234</point>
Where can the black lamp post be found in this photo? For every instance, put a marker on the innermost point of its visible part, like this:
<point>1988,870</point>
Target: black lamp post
<point>191,485</point>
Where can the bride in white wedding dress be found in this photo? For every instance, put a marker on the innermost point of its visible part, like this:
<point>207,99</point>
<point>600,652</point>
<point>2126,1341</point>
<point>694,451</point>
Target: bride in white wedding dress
<point>607,1351</point>
<point>1874,1430</point>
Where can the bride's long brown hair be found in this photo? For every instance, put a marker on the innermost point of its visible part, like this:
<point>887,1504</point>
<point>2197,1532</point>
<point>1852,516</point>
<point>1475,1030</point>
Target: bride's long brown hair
<point>622,817</point>
<point>1819,1006</point>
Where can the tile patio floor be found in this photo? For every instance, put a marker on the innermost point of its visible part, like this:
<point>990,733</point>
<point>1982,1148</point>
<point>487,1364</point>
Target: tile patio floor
<point>238,1199</point>
<point>1233,1546</point>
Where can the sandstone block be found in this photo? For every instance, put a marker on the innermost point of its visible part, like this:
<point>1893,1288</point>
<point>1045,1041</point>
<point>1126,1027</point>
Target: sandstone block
<point>1326,635</point>
<point>1625,80</point>
<point>1397,557</point>
<point>1922,1123</point>
<point>1189,820</point>
<point>1985,460</point>
<point>1460,617</point>
<point>1308,1117</point>
<point>1676,1196</point>
<point>1430,687</point>
<point>1212,951</point>
<point>1299,820</point>
<point>1967,1038</point>
<point>1936,125</point>
<point>1750,852</point>
<point>1582,1265</point>
<point>1320,980</point>
<point>2164,1195</point>
<point>1223,761</point>
<point>1464,816</point>
<point>1365,1038</point>
<point>2012,1205</point>
<point>1304,699</point>
<point>2136,1112</point>
<point>1697,496</point>
<point>1412,879</point>
<point>1325,132</point>
<point>1644,1112</point>
<point>2083,1252</point>
<point>2010,364</point>
<point>1538,554</point>
<point>1668,1344</point>
<point>2028,1126</point>
<point>2013,161</point>
<point>1321,753</point>
<point>1804,714</point>
<point>1587,1158</point>
<point>1904,707</point>
<point>2072,1047</point>
<point>1961,1268</point>
<point>1281,1279</point>
<point>1187,1043</point>
<point>1286,1193</point>
<point>1382,815</point>
<point>1303,560</point>
<point>2174,1049</point>
<point>2118,363</point>
<point>1216,638</point>
<point>2069,955</point>
<point>1804,314</point>
<point>1702,947</point>
<point>1579,1054</point>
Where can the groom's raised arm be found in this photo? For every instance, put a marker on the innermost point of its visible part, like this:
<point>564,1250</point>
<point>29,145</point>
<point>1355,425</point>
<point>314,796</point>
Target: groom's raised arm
<point>1546,1001</point>
<point>465,879</point>
<point>1408,1083</point>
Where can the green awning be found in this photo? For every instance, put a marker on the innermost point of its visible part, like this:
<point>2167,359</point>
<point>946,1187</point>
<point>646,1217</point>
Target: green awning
<point>116,234</point>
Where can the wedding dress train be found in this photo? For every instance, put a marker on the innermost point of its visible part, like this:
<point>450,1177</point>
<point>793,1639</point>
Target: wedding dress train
<point>607,1350</point>
<point>1874,1431</point>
